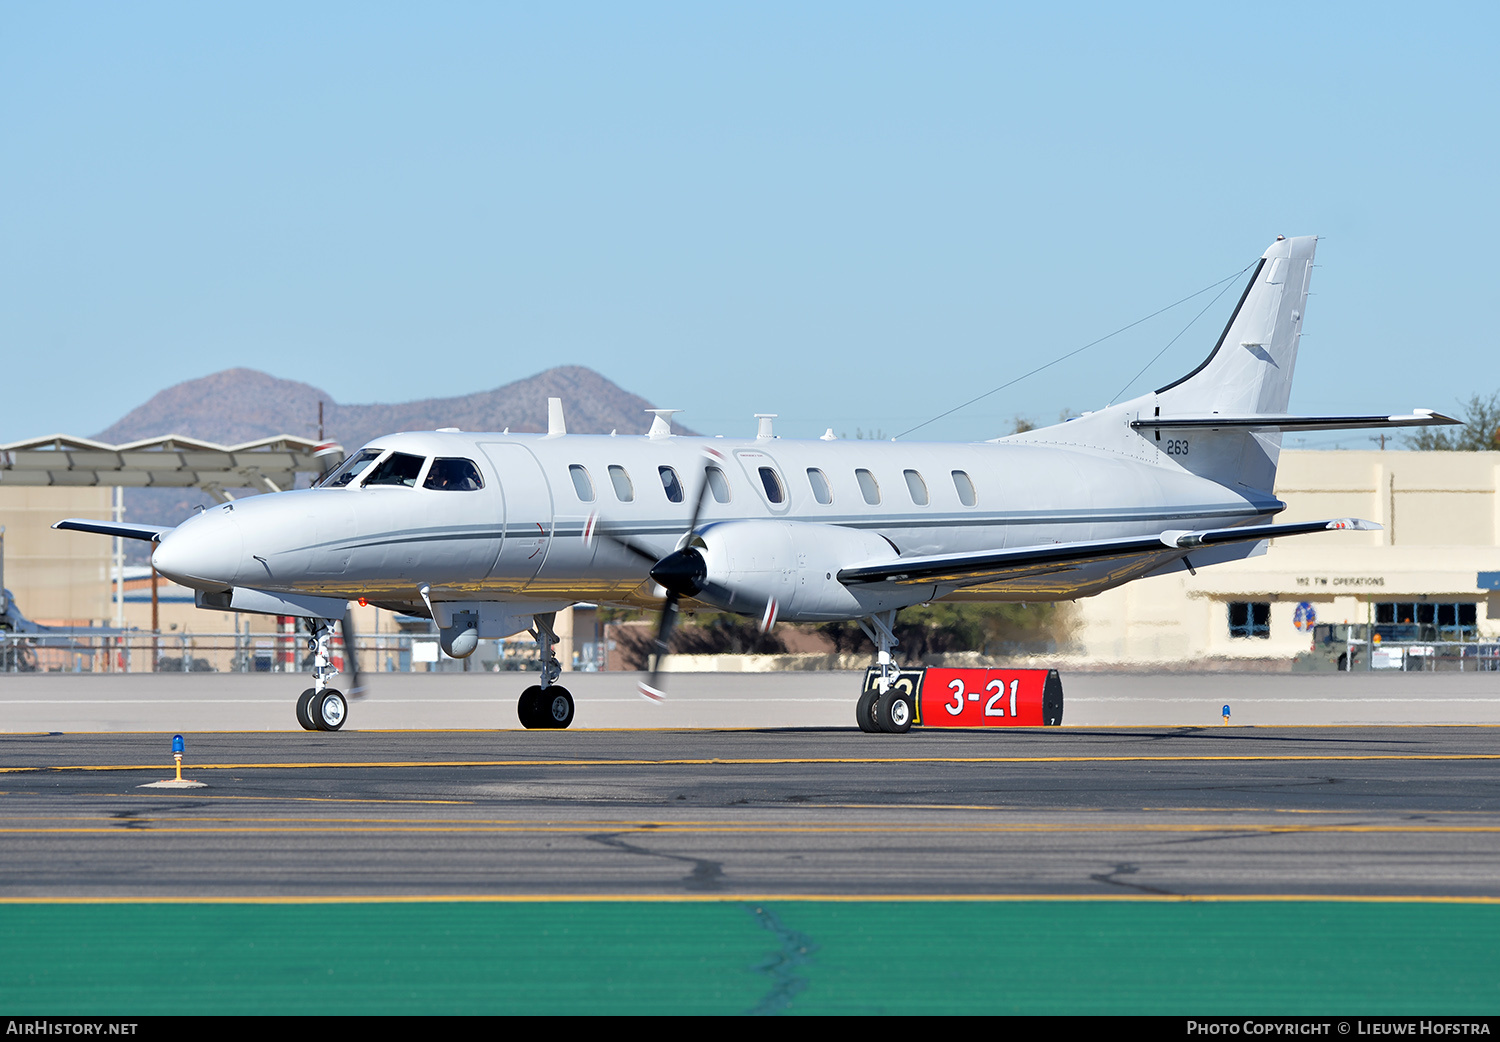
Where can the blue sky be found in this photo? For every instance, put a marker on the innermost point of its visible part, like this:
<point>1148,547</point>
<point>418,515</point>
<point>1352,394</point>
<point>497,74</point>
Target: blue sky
<point>853,215</point>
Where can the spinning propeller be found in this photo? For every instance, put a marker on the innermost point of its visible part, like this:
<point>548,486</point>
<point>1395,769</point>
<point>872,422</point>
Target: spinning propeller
<point>351,654</point>
<point>680,573</point>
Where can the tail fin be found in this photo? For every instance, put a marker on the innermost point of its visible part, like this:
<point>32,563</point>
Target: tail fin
<point>1249,373</point>
<point>1250,369</point>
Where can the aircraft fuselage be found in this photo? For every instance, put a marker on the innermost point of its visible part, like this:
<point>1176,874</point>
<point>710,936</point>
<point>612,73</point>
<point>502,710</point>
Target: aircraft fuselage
<point>524,535</point>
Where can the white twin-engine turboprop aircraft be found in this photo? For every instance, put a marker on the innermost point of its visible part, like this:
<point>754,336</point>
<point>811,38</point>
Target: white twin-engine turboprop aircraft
<point>485,533</point>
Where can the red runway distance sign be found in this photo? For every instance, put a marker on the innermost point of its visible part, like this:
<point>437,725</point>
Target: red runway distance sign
<point>990,698</point>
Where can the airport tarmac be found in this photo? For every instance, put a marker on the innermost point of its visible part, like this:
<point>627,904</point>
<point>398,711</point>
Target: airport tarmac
<point>1408,811</point>
<point>751,785</point>
<point>264,701</point>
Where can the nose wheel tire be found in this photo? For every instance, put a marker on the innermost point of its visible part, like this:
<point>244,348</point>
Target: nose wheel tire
<point>330,711</point>
<point>529,708</point>
<point>545,708</point>
<point>304,711</point>
<point>557,705</point>
<point>895,712</point>
<point>864,713</point>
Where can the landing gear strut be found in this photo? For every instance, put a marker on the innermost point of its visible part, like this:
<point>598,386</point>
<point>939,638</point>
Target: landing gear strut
<point>548,704</point>
<point>888,708</point>
<point>320,707</point>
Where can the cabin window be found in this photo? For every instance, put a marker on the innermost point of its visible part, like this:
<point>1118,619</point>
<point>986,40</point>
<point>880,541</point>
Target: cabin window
<point>772,483</point>
<point>819,482</point>
<point>624,490</point>
<point>396,469</point>
<point>917,487</point>
<point>718,484</point>
<point>670,484</point>
<point>453,475</point>
<point>582,483</point>
<point>868,486</point>
<point>351,468</point>
<point>965,488</point>
<point>1249,619</point>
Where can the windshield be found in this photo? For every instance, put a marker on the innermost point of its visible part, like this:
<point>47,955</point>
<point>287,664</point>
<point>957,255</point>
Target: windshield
<point>350,469</point>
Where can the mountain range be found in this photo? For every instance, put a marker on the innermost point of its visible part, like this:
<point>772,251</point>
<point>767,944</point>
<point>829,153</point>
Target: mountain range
<point>239,405</point>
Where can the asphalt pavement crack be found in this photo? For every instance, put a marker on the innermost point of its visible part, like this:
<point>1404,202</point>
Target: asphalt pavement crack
<point>130,820</point>
<point>706,874</point>
<point>1126,869</point>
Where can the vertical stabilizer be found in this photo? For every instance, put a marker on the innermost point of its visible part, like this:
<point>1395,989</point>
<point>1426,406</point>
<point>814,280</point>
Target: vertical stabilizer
<point>1248,373</point>
<point>1250,369</point>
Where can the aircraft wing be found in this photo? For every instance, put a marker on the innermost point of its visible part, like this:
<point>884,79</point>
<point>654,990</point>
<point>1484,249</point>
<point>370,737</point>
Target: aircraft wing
<point>997,565</point>
<point>124,531</point>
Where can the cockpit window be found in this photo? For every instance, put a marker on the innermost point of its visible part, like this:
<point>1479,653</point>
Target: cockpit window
<point>453,475</point>
<point>396,469</point>
<point>351,468</point>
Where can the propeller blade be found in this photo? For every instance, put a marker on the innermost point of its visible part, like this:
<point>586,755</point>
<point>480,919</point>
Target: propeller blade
<point>351,655</point>
<point>681,569</point>
<point>709,458</point>
<point>653,688</point>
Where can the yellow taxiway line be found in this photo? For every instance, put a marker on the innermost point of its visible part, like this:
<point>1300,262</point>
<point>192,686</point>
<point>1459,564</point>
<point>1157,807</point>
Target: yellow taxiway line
<point>769,761</point>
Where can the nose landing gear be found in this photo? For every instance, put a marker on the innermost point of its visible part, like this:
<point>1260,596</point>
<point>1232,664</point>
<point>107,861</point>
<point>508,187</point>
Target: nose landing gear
<point>320,707</point>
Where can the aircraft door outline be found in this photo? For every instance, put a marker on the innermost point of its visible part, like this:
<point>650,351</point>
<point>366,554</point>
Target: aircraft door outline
<point>526,512</point>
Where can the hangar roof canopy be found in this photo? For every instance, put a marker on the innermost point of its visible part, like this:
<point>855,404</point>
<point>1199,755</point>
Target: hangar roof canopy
<point>169,461</point>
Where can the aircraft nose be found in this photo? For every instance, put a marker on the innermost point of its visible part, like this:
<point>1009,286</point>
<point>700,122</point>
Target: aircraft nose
<point>203,553</point>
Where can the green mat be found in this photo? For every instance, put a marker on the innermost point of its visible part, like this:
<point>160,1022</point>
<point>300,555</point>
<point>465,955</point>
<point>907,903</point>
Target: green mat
<point>779,956</point>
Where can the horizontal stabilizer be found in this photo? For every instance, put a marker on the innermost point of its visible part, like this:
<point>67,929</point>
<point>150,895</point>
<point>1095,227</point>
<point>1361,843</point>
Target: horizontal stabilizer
<point>152,533</point>
<point>960,570</point>
<point>1215,537</point>
<point>1283,422</point>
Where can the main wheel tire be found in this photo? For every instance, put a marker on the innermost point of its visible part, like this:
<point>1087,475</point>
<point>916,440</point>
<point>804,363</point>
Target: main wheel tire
<point>864,713</point>
<point>330,711</point>
<point>304,710</point>
<point>529,708</point>
<point>895,712</point>
<point>557,707</point>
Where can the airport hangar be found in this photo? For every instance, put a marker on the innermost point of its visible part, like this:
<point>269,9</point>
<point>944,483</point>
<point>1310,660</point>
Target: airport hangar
<point>1435,561</point>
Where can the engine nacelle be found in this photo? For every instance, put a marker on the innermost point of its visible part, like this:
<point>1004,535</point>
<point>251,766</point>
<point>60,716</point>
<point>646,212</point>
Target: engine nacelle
<point>742,566</point>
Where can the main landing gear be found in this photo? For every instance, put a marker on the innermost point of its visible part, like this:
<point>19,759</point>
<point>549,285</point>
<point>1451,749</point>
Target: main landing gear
<point>320,707</point>
<point>890,707</point>
<point>548,704</point>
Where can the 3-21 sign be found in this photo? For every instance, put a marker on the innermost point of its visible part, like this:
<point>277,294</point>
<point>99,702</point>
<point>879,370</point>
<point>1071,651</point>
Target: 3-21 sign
<point>994,706</point>
<point>982,697</point>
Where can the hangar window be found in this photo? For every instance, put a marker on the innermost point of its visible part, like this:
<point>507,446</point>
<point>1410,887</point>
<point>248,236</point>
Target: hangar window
<point>868,486</point>
<point>1423,620</point>
<point>772,483</point>
<point>396,469</point>
<point>917,487</point>
<point>582,483</point>
<point>624,490</point>
<point>718,484</point>
<point>1249,619</point>
<point>453,475</point>
<point>965,488</point>
<point>352,468</point>
<point>670,484</point>
<point>819,482</point>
